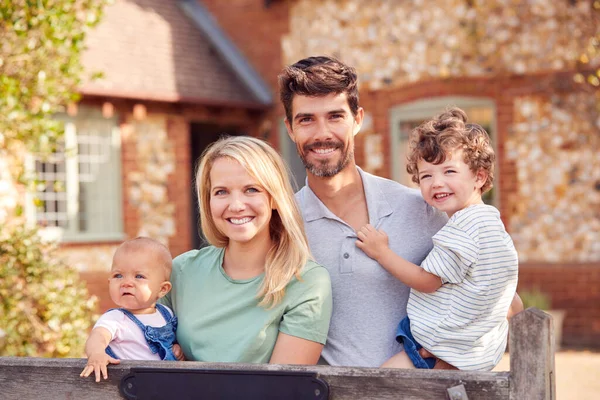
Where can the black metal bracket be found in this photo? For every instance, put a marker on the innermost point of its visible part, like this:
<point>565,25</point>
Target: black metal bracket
<point>174,383</point>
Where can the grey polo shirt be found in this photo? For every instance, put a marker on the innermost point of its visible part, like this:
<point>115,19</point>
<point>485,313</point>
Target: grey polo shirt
<point>368,302</point>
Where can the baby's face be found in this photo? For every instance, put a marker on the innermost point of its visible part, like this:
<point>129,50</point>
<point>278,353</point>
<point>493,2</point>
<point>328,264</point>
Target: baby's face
<point>136,282</point>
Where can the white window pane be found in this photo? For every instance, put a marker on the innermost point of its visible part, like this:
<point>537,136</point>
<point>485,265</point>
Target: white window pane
<point>81,191</point>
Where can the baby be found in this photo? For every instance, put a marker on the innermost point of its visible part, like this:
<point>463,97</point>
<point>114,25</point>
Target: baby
<point>461,293</point>
<point>140,329</point>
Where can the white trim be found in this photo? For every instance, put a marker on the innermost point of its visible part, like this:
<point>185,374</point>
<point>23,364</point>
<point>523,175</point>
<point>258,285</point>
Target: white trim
<point>71,176</point>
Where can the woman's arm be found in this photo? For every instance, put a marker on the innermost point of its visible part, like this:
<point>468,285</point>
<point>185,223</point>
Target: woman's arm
<point>294,350</point>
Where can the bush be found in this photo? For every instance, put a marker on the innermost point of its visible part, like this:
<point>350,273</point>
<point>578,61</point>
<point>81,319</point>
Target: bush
<point>535,298</point>
<point>45,310</point>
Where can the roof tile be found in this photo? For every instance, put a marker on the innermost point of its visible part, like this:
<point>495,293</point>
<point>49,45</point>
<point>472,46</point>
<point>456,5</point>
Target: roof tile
<point>149,49</point>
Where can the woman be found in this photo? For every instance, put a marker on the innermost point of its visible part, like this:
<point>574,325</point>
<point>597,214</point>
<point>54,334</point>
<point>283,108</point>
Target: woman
<point>255,295</point>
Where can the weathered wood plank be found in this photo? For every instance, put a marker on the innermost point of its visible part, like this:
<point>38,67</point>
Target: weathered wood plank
<point>531,376</point>
<point>532,373</point>
<point>38,378</point>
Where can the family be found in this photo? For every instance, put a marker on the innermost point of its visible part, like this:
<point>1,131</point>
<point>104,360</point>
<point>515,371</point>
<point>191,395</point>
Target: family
<point>352,270</point>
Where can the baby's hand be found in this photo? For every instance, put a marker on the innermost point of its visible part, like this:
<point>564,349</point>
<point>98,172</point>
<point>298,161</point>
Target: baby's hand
<point>372,241</point>
<point>97,363</point>
<point>178,353</point>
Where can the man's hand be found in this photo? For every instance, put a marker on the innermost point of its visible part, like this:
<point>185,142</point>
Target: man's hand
<point>372,241</point>
<point>97,363</point>
<point>439,364</point>
<point>178,353</point>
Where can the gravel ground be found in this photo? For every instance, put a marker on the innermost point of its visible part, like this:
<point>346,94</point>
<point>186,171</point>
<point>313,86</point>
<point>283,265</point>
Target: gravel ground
<point>577,374</point>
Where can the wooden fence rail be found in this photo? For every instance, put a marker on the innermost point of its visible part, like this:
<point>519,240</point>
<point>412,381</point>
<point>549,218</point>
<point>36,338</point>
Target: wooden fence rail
<point>531,376</point>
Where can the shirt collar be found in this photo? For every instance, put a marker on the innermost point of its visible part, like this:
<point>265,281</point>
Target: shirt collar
<point>378,205</point>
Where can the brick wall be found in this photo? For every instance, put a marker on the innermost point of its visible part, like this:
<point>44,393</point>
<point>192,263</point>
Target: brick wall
<point>178,130</point>
<point>257,31</point>
<point>573,288</point>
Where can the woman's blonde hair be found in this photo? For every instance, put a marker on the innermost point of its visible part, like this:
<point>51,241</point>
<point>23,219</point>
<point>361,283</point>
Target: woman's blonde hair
<point>290,251</point>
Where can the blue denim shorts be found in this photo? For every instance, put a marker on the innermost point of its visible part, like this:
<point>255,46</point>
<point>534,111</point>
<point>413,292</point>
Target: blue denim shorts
<point>411,347</point>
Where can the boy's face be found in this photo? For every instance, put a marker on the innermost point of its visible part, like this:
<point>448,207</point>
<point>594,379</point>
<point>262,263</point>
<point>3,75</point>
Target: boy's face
<point>451,185</point>
<point>323,129</point>
<point>136,282</point>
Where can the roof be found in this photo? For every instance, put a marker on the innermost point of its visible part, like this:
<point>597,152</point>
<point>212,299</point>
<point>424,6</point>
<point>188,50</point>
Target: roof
<point>150,50</point>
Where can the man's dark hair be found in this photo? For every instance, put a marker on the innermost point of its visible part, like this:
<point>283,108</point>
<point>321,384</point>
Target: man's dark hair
<point>318,76</point>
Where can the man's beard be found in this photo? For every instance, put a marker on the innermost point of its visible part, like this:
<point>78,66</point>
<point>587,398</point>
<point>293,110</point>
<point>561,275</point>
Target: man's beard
<point>321,168</point>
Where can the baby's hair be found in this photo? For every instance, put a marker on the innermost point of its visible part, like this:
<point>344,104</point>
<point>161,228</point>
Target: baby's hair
<point>141,243</point>
<point>433,141</point>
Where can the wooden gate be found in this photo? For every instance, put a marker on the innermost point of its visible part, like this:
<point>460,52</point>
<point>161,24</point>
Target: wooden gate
<point>531,375</point>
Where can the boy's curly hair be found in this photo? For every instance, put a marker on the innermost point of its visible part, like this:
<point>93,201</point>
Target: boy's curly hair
<point>433,140</point>
<point>318,76</point>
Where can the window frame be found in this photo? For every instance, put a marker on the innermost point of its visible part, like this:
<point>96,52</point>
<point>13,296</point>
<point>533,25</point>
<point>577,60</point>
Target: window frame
<point>72,173</point>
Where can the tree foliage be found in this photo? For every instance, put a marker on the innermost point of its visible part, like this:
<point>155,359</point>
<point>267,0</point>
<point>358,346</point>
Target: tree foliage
<point>40,66</point>
<point>44,309</point>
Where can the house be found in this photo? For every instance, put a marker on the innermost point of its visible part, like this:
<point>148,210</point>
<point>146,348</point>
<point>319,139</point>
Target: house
<point>172,83</point>
<point>179,73</point>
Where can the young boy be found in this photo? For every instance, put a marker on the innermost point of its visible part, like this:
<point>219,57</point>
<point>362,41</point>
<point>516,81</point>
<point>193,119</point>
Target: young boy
<point>462,291</point>
<point>141,329</point>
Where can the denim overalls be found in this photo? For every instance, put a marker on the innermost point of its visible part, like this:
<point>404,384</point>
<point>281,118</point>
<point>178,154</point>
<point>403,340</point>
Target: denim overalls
<point>160,339</point>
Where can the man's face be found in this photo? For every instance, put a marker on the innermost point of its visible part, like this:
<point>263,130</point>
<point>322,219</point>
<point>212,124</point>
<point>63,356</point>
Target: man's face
<point>323,129</point>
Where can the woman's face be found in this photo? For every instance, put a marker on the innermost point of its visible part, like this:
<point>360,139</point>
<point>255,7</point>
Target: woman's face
<point>240,207</point>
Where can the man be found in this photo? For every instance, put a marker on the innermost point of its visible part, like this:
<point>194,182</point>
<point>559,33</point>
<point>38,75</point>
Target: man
<point>320,97</point>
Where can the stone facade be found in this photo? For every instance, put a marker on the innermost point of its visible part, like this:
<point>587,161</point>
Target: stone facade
<point>147,186</point>
<point>398,46</point>
<point>555,143</point>
<point>393,43</point>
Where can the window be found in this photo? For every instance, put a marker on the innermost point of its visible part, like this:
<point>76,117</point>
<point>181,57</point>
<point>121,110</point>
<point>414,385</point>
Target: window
<point>405,117</point>
<point>80,198</point>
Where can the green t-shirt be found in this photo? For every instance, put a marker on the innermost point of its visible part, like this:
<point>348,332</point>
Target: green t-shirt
<point>219,317</point>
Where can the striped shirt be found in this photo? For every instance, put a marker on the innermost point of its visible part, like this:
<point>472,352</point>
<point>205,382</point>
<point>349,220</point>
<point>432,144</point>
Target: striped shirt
<point>464,321</point>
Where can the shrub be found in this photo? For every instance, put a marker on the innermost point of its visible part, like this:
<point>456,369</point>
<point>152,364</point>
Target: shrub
<point>45,310</point>
<point>535,298</point>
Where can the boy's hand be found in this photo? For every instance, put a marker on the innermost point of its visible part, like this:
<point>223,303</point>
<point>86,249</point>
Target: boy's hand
<point>372,241</point>
<point>97,363</point>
